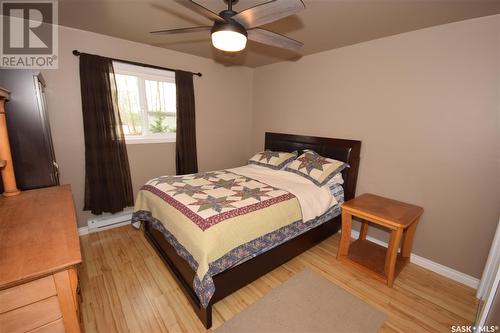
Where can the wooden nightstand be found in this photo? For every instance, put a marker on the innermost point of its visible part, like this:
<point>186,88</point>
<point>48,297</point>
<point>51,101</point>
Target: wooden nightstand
<point>400,218</point>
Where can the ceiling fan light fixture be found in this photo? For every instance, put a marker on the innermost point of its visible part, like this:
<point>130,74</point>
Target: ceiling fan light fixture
<point>229,37</point>
<point>231,30</point>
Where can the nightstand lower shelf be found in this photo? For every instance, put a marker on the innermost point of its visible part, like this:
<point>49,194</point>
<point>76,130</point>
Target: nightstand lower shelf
<point>399,218</point>
<point>371,258</point>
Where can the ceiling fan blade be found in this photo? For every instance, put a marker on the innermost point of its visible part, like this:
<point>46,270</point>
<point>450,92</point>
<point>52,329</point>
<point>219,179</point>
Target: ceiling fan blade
<point>181,30</point>
<point>268,12</point>
<point>273,39</point>
<point>194,6</point>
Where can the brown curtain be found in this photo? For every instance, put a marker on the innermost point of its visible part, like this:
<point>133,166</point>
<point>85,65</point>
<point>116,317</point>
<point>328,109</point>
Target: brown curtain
<point>108,187</point>
<point>185,151</point>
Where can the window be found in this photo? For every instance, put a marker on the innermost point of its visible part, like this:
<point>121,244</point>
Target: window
<point>147,103</point>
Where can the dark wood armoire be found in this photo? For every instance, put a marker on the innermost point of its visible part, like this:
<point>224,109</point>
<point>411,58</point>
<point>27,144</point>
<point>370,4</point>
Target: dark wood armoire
<point>29,129</point>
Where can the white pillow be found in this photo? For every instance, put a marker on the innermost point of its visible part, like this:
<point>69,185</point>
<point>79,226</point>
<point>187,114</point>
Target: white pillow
<point>336,180</point>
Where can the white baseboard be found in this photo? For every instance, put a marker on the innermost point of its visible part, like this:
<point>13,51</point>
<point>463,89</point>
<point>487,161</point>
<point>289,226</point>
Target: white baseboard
<point>431,265</point>
<point>85,230</point>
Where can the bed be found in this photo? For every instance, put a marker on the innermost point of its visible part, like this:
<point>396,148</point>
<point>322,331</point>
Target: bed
<point>272,215</point>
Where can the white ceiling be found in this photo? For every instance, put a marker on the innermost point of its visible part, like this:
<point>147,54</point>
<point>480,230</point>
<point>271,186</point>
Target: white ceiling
<point>323,25</point>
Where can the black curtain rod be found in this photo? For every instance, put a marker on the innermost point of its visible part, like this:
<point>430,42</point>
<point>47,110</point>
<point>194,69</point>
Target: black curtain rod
<point>77,53</point>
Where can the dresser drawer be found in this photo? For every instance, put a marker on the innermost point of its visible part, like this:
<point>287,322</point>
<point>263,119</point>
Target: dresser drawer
<point>53,327</point>
<point>26,293</point>
<point>31,316</point>
<point>46,217</point>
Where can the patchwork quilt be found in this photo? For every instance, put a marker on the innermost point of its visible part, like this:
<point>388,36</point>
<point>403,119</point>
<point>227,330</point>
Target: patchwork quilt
<point>216,220</point>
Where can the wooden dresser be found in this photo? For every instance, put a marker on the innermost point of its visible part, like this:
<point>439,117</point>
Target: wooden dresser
<point>39,251</point>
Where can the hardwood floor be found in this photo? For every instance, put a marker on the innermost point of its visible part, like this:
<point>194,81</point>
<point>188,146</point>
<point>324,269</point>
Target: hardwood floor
<point>127,288</point>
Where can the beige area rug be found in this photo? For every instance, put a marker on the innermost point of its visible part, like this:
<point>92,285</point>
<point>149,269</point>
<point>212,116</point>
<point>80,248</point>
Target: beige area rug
<point>307,302</point>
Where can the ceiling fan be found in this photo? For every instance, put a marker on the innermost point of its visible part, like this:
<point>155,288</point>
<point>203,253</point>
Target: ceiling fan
<point>231,29</point>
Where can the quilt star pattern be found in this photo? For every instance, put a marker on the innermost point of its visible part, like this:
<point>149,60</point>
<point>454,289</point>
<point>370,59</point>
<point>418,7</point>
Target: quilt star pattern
<point>268,155</point>
<point>212,197</point>
<point>315,167</point>
<point>273,159</point>
<point>311,162</point>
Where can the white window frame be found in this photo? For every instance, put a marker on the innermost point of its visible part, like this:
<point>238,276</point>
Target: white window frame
<point>143,74</point>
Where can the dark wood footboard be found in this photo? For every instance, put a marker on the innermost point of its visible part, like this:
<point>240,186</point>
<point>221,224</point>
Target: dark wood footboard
<point>181,271</point>
<point>239,276</point>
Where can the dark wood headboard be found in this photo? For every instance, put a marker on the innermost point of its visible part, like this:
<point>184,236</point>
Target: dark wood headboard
<point>339,149</point>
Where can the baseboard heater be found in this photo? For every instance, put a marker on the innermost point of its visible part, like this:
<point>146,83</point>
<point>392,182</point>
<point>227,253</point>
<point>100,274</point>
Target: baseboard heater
<point>108,221</point>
